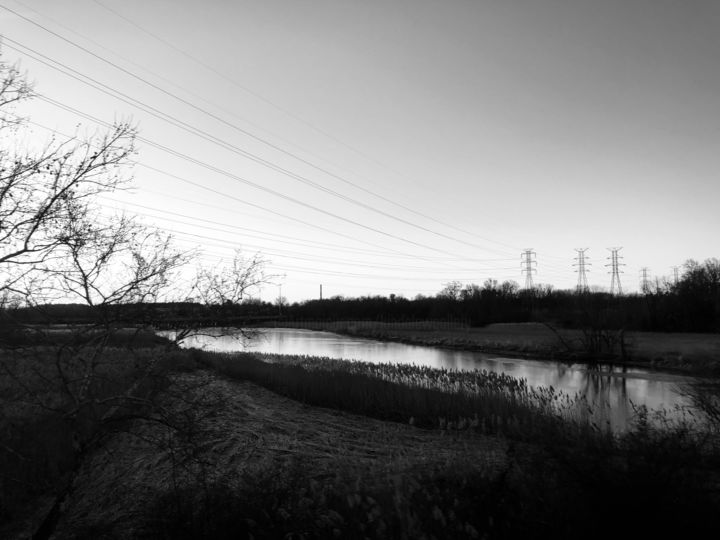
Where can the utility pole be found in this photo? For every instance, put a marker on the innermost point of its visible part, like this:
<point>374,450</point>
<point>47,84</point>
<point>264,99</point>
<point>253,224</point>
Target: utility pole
<point>644,280</point>
<point>321,291</point>
<point>582,285</point>
<point>528,264</point>
<point>615,264</point>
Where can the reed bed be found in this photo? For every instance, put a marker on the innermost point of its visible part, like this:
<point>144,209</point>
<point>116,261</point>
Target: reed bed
<point>564,477</point>
<point>483,401</point>
<point>481,384</point>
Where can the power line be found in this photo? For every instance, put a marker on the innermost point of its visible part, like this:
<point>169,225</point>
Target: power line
<point>615,264</point>
<point>305,269</point>
<point>185,101</point>
<point>245,132</point>
<point>211,138</point>
<point>243,180</point>
<point>676,274</point>
<point>355,286</point>
<point>172,83</point>
<point>157,145</point>
<point>297,118</point>
<point>385,277</point>
<point>296,254</point>
<point>325,271</point>
<point>281,238</point>
<point>218,192</point>
<point>582,285</point>
<point>528,267</point>
<point>644,280</point>
<point>243,201</point>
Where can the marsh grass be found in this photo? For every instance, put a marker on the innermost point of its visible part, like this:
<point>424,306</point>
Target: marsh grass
<point>431,398</point>
<point>565,478</point>
<point>437,502</point>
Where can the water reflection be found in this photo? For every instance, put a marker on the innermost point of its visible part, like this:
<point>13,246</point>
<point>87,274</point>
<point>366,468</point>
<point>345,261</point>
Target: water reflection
<point>611,392</point>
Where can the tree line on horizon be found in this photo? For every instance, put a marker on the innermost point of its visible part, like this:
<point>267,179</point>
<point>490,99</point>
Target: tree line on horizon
<point>690,305</point>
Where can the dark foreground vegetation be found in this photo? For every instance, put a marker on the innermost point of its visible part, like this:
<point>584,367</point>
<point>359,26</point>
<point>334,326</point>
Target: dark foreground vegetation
<point>559,473</point>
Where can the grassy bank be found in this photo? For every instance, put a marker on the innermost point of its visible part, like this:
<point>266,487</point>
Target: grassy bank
<point>486,402</point>
<point>696,354</point>
<point>559,475</point>
<point>271,446</point>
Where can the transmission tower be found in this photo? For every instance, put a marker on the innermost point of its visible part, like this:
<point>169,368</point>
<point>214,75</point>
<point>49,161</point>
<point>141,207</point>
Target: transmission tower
<point>528,267</point>
<point>676,274</point>
<point>615,264</point>
<point>644,280</point>
<point>582,285</point>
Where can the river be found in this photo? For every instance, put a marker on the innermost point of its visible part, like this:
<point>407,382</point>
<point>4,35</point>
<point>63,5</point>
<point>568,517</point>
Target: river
<point>612,392</point>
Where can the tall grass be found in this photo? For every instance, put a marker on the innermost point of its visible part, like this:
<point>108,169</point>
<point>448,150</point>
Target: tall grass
<point>289,503</point>
<point>532,499</point>
<point>565,477</point>
<point>482,401</point>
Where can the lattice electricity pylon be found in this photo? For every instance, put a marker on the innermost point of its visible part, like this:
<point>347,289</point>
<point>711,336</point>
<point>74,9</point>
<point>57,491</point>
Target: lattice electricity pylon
<point>644,280</point>
<point>615,286</point>
<point>527,267</point>
<point>676,275</point>
<point>582,285</point>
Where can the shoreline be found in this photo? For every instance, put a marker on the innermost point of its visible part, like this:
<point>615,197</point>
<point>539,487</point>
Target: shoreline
<point>530,341</point>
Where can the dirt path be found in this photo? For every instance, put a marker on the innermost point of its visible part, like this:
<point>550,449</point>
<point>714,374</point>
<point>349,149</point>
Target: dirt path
<point>235,428</point>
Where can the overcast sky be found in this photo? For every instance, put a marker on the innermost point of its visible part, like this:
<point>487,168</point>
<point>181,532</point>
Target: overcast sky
<point>385,146</point>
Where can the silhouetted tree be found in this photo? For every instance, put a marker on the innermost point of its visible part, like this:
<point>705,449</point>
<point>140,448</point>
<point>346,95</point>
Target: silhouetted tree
<point>452,290</point>
<point>44,193</point>
<point>56,245</point>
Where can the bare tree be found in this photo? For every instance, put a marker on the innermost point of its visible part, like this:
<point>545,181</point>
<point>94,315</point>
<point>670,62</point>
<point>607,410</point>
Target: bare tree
<point>231,282</point>
<point>41,191</point>
<point>451,290</point>
<point>57,246</point>
<point>116,262</point>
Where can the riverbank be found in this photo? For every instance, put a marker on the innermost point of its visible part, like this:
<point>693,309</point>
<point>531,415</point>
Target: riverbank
<point>240,445</point>
<point>690,354</point>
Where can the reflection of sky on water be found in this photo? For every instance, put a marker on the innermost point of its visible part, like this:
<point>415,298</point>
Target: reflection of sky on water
<point>610,392</point>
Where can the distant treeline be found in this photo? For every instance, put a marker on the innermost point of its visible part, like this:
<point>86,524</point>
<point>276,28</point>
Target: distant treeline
<point>690,305</point>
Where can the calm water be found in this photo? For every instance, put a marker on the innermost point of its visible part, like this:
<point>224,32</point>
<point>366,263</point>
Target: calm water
<point>612,392</point>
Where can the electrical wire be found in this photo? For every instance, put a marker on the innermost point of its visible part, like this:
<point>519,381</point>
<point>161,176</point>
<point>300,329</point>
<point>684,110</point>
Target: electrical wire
<point>166,117</point>
<point>295,117</point>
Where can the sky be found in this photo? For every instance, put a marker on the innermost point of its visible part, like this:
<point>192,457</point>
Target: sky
<point>392,146</point>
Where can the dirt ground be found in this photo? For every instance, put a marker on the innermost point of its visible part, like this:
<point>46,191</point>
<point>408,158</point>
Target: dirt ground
<point>237,427</point>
